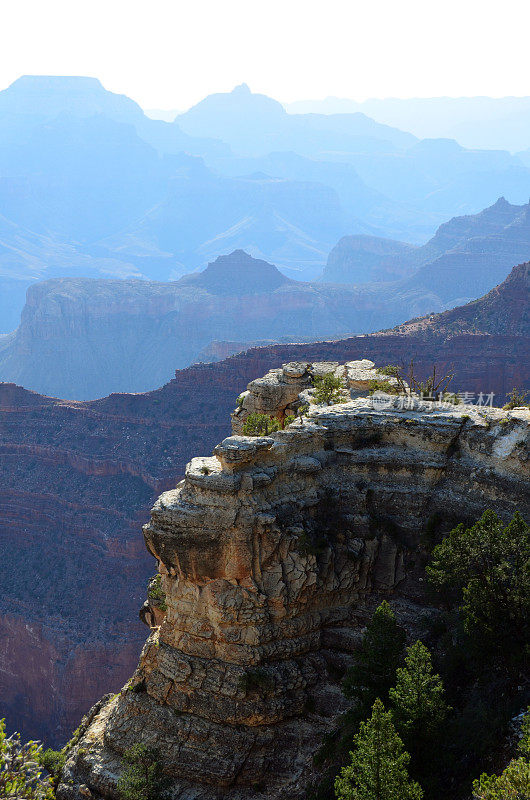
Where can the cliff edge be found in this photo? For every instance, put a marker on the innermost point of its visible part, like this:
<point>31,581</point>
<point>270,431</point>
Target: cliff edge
<point>268,553</point>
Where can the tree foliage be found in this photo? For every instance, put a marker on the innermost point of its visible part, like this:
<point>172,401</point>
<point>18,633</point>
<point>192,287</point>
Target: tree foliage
<point>142,778</point>
<point>328,390</point>
<point>516,398</point>
<point>514,783</point>
<point>21,774</point>
<point>377,659</point>
<point>418,698</point>
<point>378,765</point>
<point>485,570</point>
<point>260,425</point>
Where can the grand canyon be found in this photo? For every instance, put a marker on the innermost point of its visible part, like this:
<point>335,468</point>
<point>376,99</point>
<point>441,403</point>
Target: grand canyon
<point>264,404</point>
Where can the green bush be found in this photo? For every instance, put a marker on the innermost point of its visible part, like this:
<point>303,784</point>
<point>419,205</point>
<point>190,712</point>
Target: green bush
<point>155,593</point>
<point>21,775</point>
<point>142,778</point>
<point>328,390</point>
<point>260,425</point>
<point>255,680</point>
<point>376,385</point>
<point>516,398</point>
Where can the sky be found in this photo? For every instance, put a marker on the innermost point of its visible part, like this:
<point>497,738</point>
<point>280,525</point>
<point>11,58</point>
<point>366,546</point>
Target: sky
<point>169,54</point>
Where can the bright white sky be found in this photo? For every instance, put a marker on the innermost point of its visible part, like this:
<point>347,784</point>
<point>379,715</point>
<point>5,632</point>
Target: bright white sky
<point>170,54</point>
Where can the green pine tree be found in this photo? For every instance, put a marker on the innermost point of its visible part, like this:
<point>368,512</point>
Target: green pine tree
<point>514,783</point>
<point>142,778</point>
<point>328,390</point>
<point>419,709</point>
<point>378,766</point>
<point>376,661</point>
<point>418,697</point>
<point>485,571</point>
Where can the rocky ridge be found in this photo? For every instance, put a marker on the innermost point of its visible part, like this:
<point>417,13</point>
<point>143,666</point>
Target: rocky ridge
<point>268,552</point>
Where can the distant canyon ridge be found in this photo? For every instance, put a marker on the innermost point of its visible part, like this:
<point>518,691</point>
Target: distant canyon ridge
<point>82,338</point>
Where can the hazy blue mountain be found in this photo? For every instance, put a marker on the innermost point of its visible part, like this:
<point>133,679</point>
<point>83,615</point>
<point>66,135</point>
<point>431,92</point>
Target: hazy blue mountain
<point>360,259</point>
<point>365,210</point>
<point>36,99</point>
<point>489,122</point>
<point>290,222</point>
<point>467,256</point>
<point>253,124</point>
<point>90,186</point>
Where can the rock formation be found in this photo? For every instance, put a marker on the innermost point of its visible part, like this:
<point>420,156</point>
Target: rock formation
<point>466,257</point>
<point>268,553</point>
<point>135,446</point>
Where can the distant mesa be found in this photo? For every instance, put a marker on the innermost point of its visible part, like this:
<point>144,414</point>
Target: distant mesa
<point>237,274</point>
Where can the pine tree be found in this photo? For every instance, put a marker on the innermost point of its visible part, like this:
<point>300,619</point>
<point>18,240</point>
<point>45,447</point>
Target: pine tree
<point>378,766</point>
<point>379,655</point>
<point>419,710</point>
<point>418,697</point>
<point>485,570</point>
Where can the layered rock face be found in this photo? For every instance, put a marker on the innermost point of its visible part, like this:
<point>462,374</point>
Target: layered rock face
<point>269,552</point>
<point>55,619</point>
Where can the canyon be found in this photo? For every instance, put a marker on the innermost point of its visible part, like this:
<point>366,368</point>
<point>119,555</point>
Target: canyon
<point>78,479</point>
<point>270,553</point>
<point>82,338</point>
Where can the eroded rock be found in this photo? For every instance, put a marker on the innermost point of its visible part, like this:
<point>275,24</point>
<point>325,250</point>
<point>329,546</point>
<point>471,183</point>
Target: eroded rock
<point>271,556</point>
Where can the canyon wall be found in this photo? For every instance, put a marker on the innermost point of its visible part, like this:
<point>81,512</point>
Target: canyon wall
<point>77,481</point>
<point>268,553</point>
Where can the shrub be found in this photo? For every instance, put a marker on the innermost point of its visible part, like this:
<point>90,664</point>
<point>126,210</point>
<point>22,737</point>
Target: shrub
<point>260,425</point>
<point>517,397</point>
<point>288,419</point>
<point>53,762</point>
<point>20,769</point>
<point>142,778</point>
<point>255,680</point>
<point>156,594</point>
<point>376,385</point>
<point>328,390</point>
<point>432,387</point>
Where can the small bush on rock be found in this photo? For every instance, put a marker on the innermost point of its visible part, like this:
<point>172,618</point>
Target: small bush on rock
<point>156,594</point>
<point>260,425</point>
<point>328,390</point>
<point>516,398</point>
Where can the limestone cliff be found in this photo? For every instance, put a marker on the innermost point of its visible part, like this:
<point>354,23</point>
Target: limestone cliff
<point>269,552</point>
